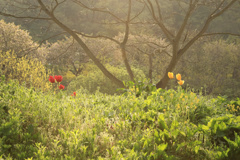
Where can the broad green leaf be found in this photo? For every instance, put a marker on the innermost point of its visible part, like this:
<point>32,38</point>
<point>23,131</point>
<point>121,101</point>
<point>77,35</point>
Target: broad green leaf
<point>162,147</point>
<point>196,149</point>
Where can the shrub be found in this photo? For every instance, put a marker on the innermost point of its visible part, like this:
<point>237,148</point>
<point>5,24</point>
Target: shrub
<point>15,39</point>
<point>25,70</point>
<point>17,136</point>
<point>95,80</point>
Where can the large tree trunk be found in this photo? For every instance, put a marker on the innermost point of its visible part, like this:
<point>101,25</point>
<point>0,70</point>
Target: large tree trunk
<point>124,42</point>
<point>164,81</point>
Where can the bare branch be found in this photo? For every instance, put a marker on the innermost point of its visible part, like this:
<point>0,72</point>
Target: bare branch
<point>83,45</point>
<point>162,51</point>
<point>159,10</point>
<point>98,9</point>
<point>204,28</point>
<point>138,14</point>
<point>98,36</point>
<point>218,7</point>
<point>125,39</point>
<point>127,24</point>
<point>167,33</point>
<point>26,17</point>
<point>57,4</point>
<point>186,18</point>
<point>40,43</point>
<point>64,52</point>
<point>56,35</point>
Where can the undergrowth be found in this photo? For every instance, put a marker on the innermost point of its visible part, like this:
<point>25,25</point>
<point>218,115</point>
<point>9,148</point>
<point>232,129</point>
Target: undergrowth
<point>165,124</point>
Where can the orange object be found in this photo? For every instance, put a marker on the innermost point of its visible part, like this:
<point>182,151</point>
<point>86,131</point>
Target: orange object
<point>179,77</point>
<point>181,82</point>
<point>170,75</point>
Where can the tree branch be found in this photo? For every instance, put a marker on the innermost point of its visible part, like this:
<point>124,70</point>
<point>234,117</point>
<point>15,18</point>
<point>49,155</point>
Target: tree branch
<point>64,52</point>
<point>186,18</point>
<point>83,45</point>
<point>159,10</point>
<point>204,28</point>
<point>98,9</point>
<point>57,4</point>
<point>98,36</point>
<point>125,39</point>
<point>137,14</point>
<point>223,33</point>
<point>167,33</point>
<point>26,17</point>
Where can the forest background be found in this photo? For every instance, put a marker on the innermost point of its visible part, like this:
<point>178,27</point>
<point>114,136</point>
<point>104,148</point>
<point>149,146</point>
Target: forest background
<point>128,40</point>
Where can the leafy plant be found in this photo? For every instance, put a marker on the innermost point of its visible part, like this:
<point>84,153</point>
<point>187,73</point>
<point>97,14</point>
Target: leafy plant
<point>233,152</point>
<point>30,72</point>
<point>166,124</point>
<point>220,127</point>
<point>94,80</point>
<point>17,133</point>
<point>138,88</point>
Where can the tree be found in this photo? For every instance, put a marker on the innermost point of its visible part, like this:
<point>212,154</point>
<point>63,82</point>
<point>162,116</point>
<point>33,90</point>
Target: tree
<point>147,52</point>
<point>68,54</point>
<point>180,39</point>
<point>215,65</point>
<point>15,39</point>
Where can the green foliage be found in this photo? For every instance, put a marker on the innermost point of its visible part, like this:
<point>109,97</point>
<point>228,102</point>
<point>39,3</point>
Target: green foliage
<point>139,88</point>
<point>222,132</point>
<point>214,65</point>
<point>233,151</point>
<point>12,38</point>
<point>221,127</point>
<point>30,72</point>
<point>231,106</point>
<point>166,124</point>
<point>17,133</point>
<point>95,80</point>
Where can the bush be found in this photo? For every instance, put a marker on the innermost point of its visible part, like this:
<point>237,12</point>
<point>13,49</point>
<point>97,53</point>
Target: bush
<point>17,136</point>
<point>95,80</point>
<point>15,39</point>
<point>27,71</point>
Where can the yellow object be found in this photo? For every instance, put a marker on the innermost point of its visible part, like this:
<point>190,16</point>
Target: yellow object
<point>178,106</point>
<point>181,82</point>
<point>178,76</point>
<point>29,71</point>
<point>170,75</point>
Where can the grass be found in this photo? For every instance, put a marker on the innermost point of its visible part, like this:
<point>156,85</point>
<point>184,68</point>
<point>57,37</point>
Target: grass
<point>166,124</point>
